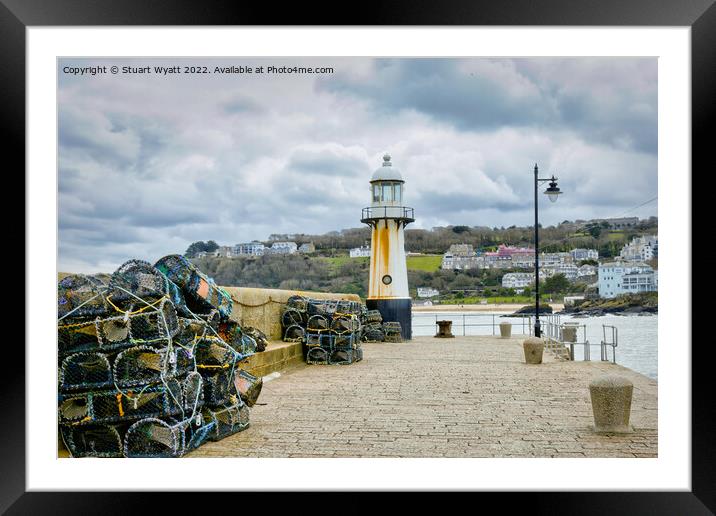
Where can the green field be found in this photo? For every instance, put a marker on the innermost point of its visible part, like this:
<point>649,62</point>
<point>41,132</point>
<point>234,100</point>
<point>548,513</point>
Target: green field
<point>338,261</point>
<point>427,263</point>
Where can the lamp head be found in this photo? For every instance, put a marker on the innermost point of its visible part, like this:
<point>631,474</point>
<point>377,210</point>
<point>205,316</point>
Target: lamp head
<point>553,192</point>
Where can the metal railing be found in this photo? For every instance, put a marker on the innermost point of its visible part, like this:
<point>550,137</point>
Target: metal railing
<point>550,324</point>
<point>387,212</point>
<point>465,321</point>
<point>613,342</point>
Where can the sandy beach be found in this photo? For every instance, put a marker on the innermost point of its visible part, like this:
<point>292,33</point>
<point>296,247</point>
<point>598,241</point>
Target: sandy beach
<point>507,307</point>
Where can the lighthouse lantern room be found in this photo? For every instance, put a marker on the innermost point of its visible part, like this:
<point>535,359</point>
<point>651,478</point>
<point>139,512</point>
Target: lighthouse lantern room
<point>388,284</point>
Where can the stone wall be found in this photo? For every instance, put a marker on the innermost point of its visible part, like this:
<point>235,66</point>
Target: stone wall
<point>262,307</point>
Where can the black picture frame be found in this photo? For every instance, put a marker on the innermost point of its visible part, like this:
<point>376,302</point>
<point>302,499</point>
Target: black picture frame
<point>700,15</point>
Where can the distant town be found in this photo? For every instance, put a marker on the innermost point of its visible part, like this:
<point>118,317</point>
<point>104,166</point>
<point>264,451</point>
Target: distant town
<point>483,271</point>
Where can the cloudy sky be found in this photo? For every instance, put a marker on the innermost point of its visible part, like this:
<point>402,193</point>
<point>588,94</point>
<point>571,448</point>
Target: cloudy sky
<point>150,163</point>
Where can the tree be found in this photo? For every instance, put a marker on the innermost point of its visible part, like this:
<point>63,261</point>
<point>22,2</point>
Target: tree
<point>594,229</point>
<point>556,284</point>
<point>200,246</point>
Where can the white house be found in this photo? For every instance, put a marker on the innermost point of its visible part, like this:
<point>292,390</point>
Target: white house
<point>254,248</point>
<point>518,280</point>
<point>284,248</point>
<point>617,278</point>
<point>641,249</point>
<point>224,251</point>
<point>584,254</point>
<point>586,270</point>
<point>360,252</point>
<point>569,270</point>
<point>427,292</point>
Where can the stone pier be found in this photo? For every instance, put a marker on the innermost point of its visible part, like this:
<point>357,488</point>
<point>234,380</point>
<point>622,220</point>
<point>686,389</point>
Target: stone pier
<point>461,397</point>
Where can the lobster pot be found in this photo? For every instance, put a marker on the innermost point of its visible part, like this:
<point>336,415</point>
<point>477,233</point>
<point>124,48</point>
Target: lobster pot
<point>154,324</point>
<point>299,303</point>
<point>193,392</point>
<point>341,356</point>
<point>103,441</point>
<point>317,355</point>
<point>154,437</point>
<point>191,330</point>
<point>373,316</point>
<point>317,323</point>
<point>76,337</point>
<point>313,339</point>
<point>292,317</point>
<point>212,353</point>
<point>357,354</point>
<point>229,419</point>
<point>201,293</point>
<point>248,386</point>
<point>248,345</point>
<point>143,365</point>
<point>153,327</point>
<point>345,341</point>
<point>136,281</point>
<point>294,333</point>
<point>345,324</point>
<point>373,332</point>
<point>198,432</point>
<point>392,332</point>
<point>231,333</point>
<point>347,307</point>
<point>85,371</point>
<point>81,296</point>
<point>327,341</point>
<point>111,406</point>
<point>258,336</point>
<point>218,386</point>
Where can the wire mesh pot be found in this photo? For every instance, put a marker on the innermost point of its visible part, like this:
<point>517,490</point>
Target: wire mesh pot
<point>154,437</point>
<point>318,323</point>
<point>80,296</point>
<point>248,386</point>
<point>142,365</point>
<point>103,441</point>
<point>317,355</point>
<point>201,293</point>
<point>228,419</point>
<point>85,371</point>
<point>113,406</point>
<point>292,317</point>
<point>294,333</point>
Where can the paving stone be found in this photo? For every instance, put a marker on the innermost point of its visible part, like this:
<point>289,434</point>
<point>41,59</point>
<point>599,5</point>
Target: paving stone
<point>471,397</point>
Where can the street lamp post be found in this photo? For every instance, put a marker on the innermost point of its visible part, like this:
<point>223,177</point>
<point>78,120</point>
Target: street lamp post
<point>552,192</point>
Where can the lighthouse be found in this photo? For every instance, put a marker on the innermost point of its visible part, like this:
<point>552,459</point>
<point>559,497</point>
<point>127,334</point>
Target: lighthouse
<point>387,217</point>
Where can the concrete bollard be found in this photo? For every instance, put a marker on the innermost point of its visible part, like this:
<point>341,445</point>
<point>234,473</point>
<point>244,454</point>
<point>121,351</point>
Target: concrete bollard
<point>533,348</point>
<point>611,403</point>
<point>505,330</point>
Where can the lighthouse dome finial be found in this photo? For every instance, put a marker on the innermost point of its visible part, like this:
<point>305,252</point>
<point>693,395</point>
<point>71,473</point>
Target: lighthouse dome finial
<point>387,172</point>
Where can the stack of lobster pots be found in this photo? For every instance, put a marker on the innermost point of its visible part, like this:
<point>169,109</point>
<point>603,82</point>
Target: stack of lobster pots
<point>149,362</point>
<point>330,330</point>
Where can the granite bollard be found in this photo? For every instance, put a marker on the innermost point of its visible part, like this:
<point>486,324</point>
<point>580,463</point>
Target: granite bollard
<point>611,403</point>
<point>533,348</point>
<point>505,330</point>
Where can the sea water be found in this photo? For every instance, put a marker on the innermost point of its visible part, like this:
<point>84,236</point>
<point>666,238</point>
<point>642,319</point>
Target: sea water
<point>637,334</point>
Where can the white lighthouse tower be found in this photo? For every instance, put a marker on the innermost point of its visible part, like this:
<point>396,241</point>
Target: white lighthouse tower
<point>388,284</point>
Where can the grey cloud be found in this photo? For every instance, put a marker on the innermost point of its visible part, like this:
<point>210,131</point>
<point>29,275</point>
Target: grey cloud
<point>500,93</point>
